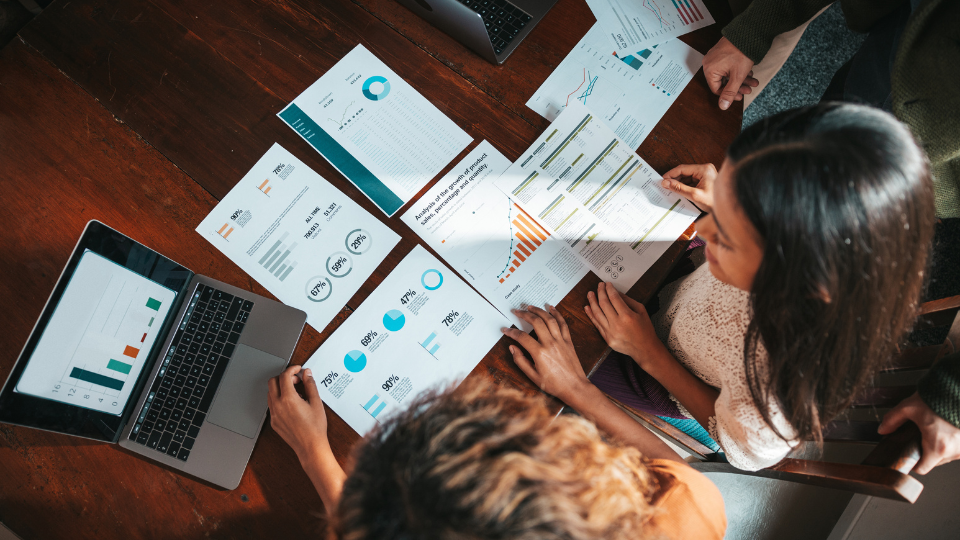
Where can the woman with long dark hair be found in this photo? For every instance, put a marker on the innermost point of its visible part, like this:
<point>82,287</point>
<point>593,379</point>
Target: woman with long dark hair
<point>818,227</point>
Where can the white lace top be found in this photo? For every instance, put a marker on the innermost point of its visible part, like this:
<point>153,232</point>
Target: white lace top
<point>703,322</point>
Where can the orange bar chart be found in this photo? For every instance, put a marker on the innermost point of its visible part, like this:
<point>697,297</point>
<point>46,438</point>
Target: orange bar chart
<point>226,227</point>
<point>132,352</point>
<point>265,187</point>
<point>529,236</point>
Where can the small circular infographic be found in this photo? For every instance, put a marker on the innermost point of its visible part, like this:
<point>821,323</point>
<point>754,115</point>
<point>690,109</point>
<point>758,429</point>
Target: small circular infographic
<point>339,264</point>
<point>393,320</point>
<point>376,88</point>
<point>358,241</point>
<point>355,361</point>
<point>318,288</point>
<point>431,279</point>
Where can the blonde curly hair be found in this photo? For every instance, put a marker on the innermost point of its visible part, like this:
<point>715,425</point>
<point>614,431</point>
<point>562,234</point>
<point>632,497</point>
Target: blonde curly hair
<point>484,462</point>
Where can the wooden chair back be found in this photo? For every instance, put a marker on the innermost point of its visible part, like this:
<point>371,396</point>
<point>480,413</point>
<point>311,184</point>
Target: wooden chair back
<point>885,471</point>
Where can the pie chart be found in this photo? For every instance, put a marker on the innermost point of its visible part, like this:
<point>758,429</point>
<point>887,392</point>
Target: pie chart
<point>376,88</point>
<point>355,361</point>
<point>393,320</point>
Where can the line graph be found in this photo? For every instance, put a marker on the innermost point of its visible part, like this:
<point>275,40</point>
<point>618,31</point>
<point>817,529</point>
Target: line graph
<point>586,93</point>
<point>509,251</point>
<point>655,10</point>
<point>577,88</point>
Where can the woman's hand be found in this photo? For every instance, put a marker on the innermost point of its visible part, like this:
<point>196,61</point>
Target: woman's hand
<point>624,324</point>
<point>699,186</point>
<point>302,423</point>
<point>555,367</point>
<point>940,439</point>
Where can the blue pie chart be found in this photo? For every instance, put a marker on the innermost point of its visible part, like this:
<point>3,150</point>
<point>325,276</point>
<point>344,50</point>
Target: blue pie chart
<point>393,320</point>
<point>374,95</point>
<point>355,361</point>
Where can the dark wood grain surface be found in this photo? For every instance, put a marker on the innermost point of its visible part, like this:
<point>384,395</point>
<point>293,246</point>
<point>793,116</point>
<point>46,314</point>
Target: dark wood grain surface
<point>143,115</point>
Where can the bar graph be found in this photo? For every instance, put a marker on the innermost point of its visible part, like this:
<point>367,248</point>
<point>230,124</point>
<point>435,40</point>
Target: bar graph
<point>431,344</point>
<point>265,187</point>
<point>133,316</point>
<point>526,236</point>
<point>225,231</point>
<point>98,338</point>
<point>688,11</point>
<point>276,260</point>
<point>374,406</point>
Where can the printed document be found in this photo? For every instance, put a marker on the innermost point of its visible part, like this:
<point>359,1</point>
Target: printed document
<point>630,92</point>
<point>375,129</point>
<point>631,25</point>
<point>298,236</point>
<point>590,189</point>
<point>422,328</point>
<point>506,254</point>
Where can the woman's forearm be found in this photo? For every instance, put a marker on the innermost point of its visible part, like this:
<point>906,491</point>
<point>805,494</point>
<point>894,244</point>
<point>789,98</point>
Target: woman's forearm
<point>326,474</point>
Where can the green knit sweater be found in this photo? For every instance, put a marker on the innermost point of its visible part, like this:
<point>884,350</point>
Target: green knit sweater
<point>940,388</point>
<point>925,81</point>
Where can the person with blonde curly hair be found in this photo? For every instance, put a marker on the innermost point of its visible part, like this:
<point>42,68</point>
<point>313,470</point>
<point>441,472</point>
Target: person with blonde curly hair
<point>485,462</point>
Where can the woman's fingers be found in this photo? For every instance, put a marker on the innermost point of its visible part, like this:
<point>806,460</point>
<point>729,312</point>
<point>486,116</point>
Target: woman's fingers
<point>311,390</point>
<point>522,338</point>
<point>273,389</point>
<point>287,380</point>
<point>598,317</point>
<point>694,171</point>
<point>525,365</point>
<point>543,333</point>
<point>616,299</point>
<point>564,329</point>
<point>608,310</point>
<point>548,319</point>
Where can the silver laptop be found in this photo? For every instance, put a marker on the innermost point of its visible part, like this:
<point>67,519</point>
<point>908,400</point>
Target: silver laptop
<point>133,348</point>
<point>490,28</point>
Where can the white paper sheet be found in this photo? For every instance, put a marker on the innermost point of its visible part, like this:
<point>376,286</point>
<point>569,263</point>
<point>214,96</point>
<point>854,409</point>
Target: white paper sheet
<point>631,25</point>
<point>631,92</point>
<point>498,248</point>
<point>590,189</point>
<point>376,129</point>
<point>298,236</point>
<point>423,327</point>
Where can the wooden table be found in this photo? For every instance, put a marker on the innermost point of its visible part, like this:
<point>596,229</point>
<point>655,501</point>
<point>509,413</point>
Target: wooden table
<point>143,114</point>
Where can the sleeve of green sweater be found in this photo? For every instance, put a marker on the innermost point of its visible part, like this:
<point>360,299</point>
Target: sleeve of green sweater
<point>940,388</point>
<point>753,30</point>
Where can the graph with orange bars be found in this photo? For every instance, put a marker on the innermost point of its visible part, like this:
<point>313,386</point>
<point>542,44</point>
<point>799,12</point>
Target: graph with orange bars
<point>225,230</point>
<point>265,187</point>
<point>528,235</point>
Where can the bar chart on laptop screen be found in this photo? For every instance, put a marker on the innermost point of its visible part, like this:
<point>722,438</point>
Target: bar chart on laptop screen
<point>98,338</point>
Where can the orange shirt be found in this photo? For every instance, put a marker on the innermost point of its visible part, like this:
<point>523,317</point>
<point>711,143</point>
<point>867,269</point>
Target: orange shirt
<point>688,505</point>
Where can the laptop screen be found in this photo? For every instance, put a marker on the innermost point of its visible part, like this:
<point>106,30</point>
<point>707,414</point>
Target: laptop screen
<point>95,346</point>
<point>88,358</point>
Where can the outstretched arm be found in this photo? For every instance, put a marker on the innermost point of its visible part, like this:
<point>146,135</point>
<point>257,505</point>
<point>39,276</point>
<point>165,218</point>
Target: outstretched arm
<point>303,424</point>
<point>554,367</point>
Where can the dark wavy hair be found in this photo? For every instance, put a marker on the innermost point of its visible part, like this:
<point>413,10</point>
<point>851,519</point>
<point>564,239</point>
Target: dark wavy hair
<point>842,199</point>
<point>486,462</point>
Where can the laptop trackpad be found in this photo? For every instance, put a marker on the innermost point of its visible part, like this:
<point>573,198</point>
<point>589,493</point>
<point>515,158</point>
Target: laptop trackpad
<point>242,397</point>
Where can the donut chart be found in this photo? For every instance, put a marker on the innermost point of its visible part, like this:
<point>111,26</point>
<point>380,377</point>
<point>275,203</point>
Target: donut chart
<point>431,279</point>
<point>379,94</point>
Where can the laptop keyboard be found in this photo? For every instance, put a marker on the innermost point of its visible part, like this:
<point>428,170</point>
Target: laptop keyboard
<point>186,383</point>
<point>503,19</point>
